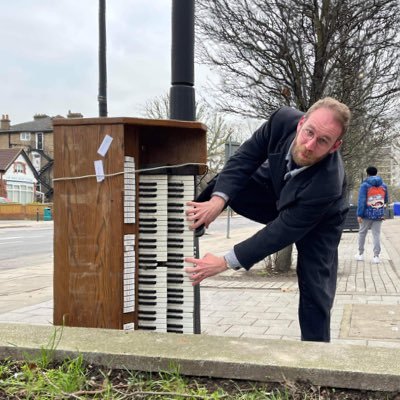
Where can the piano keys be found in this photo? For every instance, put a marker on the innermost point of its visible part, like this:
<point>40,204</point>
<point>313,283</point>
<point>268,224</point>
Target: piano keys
<point>165,293</point>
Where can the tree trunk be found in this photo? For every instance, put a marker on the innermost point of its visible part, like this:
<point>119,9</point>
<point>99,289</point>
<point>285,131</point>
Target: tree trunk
<point>3,189</point>
<point>283,259</point>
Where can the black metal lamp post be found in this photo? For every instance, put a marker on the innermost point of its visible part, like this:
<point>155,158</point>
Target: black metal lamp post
<point>102,97</point>
<point>182,95</point>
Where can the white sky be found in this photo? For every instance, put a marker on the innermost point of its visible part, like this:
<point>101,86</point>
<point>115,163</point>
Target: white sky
<point>49,57</point>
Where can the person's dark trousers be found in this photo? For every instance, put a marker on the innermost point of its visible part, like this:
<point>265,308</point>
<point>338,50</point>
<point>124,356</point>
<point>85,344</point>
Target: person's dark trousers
<point>317,263</point>
<point>316,274</point>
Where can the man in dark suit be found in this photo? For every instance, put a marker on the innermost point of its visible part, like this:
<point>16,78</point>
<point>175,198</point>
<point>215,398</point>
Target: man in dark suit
<point>290,177</point>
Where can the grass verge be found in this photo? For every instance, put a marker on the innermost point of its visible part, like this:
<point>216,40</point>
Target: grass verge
<point>73,379</point>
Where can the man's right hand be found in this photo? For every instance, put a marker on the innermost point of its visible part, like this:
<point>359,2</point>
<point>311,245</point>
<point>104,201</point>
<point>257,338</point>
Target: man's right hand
<point>359,219</point>
<point>204,213</point>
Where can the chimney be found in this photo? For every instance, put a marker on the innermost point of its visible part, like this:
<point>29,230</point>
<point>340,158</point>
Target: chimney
<point>40,116</point>
<point>74,114</point>
<point>5,122</point>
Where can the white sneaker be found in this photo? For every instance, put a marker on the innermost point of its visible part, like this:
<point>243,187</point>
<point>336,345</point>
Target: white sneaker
<point>359,257</point>
<point>376,260</point>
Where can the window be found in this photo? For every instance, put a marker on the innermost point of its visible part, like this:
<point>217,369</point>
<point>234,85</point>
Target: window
<point>20,167</point>
<point>36,160</point>
<point>20,193</point>
<point>13,192</point>
<point>39,140</point>
<point>25,136</point>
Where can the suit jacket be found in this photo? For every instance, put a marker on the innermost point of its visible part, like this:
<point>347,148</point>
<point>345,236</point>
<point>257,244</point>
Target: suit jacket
<point>311,206</point>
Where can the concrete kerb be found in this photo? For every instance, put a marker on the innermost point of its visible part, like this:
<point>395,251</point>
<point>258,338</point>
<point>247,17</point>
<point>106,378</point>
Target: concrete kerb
<point>341,366</point>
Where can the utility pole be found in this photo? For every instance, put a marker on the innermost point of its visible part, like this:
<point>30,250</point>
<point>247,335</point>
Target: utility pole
<point>182,95</point>
<point>102,97</point>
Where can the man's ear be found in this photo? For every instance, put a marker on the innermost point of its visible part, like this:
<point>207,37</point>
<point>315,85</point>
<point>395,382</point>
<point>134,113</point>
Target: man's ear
<point>336,146</point>
<point>301,122</point>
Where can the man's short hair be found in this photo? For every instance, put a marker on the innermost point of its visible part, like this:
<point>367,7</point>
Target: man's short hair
<point>341,111</point>
<point>371,171</point>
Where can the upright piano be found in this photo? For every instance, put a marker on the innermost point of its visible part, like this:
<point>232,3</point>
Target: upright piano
<point>120,232</point>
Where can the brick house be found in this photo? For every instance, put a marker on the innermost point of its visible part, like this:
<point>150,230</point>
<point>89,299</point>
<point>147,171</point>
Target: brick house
<point>18,177</point>
<point>36,138</point>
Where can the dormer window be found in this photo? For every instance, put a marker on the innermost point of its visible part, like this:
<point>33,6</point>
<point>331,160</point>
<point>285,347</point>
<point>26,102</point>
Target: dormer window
<point>25,136</point>
<point>20,167</point>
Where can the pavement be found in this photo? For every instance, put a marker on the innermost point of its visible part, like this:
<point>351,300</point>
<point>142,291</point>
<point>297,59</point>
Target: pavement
<point>242,310</point>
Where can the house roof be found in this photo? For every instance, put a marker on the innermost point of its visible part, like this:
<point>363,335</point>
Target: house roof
<point>41,124</point>
<point>7,157</point>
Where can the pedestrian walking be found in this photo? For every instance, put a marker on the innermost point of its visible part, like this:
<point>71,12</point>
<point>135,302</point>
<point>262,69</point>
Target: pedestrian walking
<point>372,200</point>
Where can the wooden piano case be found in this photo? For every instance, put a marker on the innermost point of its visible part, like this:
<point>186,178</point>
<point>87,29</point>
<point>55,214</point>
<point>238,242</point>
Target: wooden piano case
<point>89,215</point>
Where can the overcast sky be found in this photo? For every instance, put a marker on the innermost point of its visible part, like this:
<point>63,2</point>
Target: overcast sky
<point>49,57</point>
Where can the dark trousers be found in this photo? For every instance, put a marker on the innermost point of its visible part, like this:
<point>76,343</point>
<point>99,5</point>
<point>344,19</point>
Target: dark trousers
<point>316,277</point>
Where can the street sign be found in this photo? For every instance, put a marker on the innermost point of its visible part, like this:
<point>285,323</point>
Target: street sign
<point>230,149</point>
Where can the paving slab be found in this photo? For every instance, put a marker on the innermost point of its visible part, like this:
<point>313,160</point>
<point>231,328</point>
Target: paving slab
<point>371,321</point>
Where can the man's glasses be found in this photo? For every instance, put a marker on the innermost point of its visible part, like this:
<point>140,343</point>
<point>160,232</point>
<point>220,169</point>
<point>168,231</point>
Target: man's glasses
<point>321,142</point>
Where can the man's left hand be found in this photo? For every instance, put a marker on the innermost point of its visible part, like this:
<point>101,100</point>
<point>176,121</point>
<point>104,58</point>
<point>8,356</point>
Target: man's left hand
<point>205,267</point>
<point>204,213</point>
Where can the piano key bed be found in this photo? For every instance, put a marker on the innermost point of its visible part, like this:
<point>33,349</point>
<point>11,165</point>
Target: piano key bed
<point>165,294</point>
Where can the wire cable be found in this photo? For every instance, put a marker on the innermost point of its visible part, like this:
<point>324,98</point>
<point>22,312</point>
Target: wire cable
<point>123,172</point>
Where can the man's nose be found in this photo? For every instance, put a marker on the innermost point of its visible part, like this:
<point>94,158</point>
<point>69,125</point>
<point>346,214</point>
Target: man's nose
<point>310,145</point>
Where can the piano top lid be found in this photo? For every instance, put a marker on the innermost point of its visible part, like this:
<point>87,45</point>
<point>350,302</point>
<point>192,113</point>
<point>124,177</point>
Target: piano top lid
<point>171,123</point>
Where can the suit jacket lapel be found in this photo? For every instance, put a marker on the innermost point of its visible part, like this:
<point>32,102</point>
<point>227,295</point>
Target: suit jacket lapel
<point>289,192</point>
<point>277,164</point>
<point>286,190</point>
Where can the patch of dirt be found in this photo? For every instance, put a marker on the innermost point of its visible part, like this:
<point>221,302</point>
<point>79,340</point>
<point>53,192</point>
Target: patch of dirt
<point>136,385</point>
<point>288,391</point>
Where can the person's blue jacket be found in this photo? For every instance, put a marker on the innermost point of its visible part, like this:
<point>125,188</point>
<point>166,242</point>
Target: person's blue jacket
<point>371,211</point>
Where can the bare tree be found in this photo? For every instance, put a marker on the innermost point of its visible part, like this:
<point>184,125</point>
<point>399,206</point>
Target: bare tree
<point>293,52</point>
<point>3,189</point>
<point>219,129</point>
